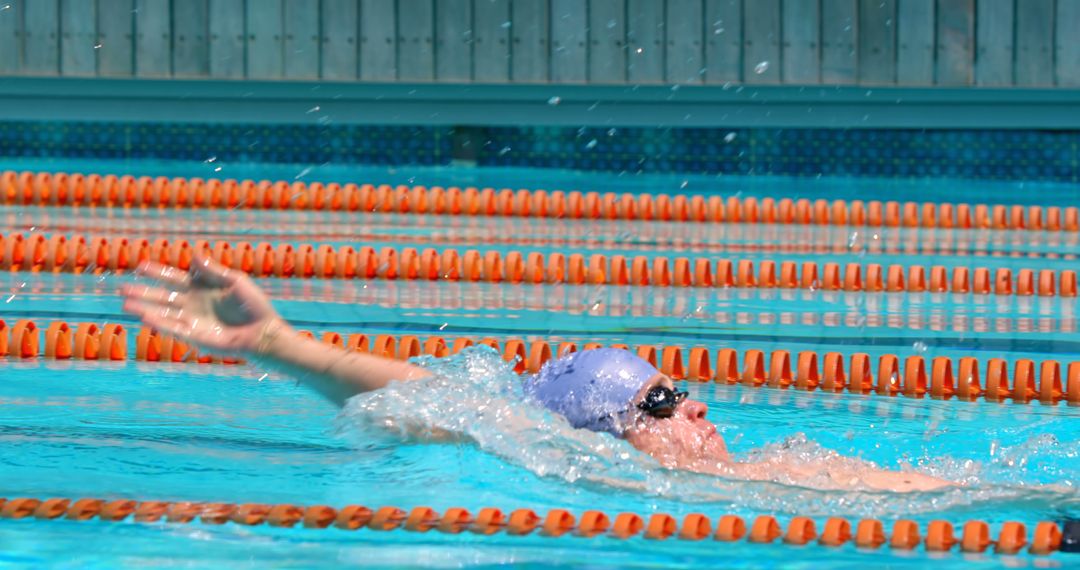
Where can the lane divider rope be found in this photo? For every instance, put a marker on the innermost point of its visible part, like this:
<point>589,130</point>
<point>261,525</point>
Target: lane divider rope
<point>940,536</point>
<point>78,254</point>
<point>44,188</point>
<point>1048,381</point>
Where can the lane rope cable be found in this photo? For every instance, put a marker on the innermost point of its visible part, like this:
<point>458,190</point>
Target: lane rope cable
<point>940,536</point>
<point>1048,381</point>
<point>45,188</point>
<point>79,254</point>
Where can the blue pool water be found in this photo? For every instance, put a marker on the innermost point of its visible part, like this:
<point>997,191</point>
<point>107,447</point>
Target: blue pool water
<point>211,433</point>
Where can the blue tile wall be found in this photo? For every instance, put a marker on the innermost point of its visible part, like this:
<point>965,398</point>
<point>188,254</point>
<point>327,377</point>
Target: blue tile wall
<point>998,155</point>
<point>234,143</point>
<point>976,154</point>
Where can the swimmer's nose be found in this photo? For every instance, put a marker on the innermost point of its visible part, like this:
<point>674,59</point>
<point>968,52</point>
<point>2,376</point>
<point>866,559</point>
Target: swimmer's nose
<point>693,409</point>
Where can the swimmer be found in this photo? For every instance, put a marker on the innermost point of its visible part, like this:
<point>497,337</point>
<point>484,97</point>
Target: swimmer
<point>603,390</point>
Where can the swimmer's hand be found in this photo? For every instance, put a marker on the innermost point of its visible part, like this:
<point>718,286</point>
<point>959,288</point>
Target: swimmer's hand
<point>211,306</point>
<point>223,311</point>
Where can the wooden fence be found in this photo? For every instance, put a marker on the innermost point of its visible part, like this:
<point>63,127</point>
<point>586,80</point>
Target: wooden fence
<point>869,42</point>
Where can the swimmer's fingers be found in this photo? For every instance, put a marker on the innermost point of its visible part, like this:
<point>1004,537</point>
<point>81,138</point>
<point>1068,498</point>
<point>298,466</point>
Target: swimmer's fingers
<point>206,272</point>
<point>172,276</point>
<point>182,325</point>
<point>165,320</point>
<point>153,295</point>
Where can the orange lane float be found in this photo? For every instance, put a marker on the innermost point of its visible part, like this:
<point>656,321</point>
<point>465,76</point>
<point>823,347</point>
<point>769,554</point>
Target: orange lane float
<point>79,254</point>
<point>765,529</point>
<point>60,189</point>
<point>1048,381</point>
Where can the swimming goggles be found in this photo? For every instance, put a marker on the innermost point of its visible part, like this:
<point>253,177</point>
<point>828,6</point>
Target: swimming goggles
<point>661,401</point>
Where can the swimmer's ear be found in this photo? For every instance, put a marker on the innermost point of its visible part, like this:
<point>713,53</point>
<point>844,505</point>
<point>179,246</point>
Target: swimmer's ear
<point>209,273</point>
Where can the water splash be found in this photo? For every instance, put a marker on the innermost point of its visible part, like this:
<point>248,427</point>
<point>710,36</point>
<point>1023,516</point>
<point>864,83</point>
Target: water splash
<point>477,396</point>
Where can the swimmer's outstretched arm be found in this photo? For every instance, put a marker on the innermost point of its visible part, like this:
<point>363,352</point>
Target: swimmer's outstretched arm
<point>841,476</point>
<point>223,311</point>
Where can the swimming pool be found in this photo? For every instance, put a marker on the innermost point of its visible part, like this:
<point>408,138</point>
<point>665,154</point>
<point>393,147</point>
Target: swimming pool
<point>227,434</point>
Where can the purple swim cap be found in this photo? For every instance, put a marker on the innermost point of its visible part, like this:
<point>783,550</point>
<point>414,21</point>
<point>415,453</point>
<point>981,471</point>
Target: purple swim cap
<point>592,387</point>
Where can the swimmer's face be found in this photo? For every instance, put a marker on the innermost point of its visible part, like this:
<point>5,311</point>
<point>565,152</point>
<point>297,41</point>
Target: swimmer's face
<point>685,439</point>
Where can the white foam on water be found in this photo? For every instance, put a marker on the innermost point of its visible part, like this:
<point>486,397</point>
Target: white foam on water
<point>476,395</point>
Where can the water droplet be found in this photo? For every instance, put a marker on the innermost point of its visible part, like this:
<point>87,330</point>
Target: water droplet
<point>611,24</point>
<point>761,67</point>
<point>919,346</point>
<point>592,144</point>
<point>506,25</point>
<point>98,46</point>
<point>554,100</point>
<point>640,50</point>
<point>675,87</point>
<point>853,240</point>
<point>611,132</point>
<point>730,137</point>
<point>314,109</point>
<point>444,325</point>
<point>684,184</point>
<point>504,150</point>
